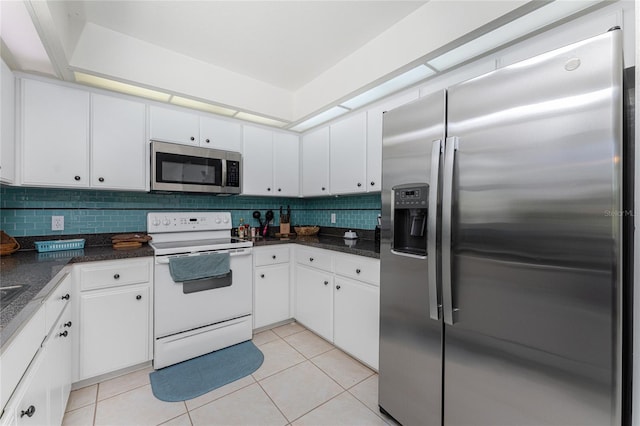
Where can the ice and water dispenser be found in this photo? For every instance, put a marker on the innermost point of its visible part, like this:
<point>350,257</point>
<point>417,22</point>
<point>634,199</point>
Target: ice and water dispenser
<point>410,214</point>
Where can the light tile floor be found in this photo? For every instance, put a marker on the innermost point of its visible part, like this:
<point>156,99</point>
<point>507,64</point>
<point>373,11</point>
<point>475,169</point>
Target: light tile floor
<point>304,380</point>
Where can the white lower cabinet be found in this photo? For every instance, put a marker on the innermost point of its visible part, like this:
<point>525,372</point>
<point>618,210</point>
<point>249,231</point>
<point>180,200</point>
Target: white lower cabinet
<point>314,300</point>
<point>114,315</point>
<point>271,293</point>
<point>114,329</point>
<point>59,365</point>
<point>32,401</point>
<point>338,297</point>
<point>356,316</point>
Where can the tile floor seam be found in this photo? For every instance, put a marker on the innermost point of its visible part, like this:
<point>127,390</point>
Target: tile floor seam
<point>368,408</point>
<point>128,390</point>
<point>273,402</point>
<point>95,406</point>
<point>327,374</point>
<point>315,408</point>
<point>189,415</point>
<point>222,396</point>
<point>280,371</point>
<point>373,373</point>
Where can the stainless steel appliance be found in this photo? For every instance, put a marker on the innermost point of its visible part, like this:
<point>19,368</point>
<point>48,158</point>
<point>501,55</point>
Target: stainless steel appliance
<point>184,168</point>
<point>504,308</point>
<point>197,317</point>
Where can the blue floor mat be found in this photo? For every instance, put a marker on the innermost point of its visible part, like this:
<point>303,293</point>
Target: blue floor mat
<point>205,373</point>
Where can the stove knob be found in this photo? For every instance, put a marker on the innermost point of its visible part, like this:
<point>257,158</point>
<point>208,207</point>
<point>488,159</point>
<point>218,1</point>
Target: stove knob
<point>156,221</point>
<point>218,220</point>
<point>166,221</point>
<point>225,220</point>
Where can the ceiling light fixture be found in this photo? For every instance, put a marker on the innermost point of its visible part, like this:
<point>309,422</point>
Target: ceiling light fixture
<point>323,117</point>
<point>202,106</point>
<point>116,86</point>
<point>388,87</point>
<point>260,120</point>
<point>511,31</point>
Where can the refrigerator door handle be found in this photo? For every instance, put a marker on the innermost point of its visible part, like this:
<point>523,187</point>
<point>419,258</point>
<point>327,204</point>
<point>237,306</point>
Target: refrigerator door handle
<point>451,146</point>
<point>432,223</point>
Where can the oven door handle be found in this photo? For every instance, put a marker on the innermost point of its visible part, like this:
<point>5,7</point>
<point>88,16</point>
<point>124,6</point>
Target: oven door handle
<point>232,253</point>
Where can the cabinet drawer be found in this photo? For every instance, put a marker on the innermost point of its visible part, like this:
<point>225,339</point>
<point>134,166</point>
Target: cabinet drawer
<point>57,300</point>
<point>271,256</point>
<point>108,274</point>
<point>314,258</point>
<point>359,268</point>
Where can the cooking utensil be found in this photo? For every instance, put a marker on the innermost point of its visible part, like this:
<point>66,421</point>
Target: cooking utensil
<point>258,215</point>
<point>269,218</point>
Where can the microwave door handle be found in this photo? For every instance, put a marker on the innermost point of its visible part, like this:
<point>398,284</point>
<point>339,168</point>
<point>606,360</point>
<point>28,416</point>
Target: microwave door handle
<point>224,173</point>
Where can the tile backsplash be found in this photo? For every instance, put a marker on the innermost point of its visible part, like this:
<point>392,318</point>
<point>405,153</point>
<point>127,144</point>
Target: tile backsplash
<point>28,211</point>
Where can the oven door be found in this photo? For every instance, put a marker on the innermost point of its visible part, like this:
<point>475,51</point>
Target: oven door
<point>181,306</point>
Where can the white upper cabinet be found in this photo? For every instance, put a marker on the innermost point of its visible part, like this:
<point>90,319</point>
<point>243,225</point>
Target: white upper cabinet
<point>286,179</point>
<point>119,145</point>
<point>220,134</point>
<point>55,135</point>
<point>315,162</point>
<point>7,125</point>
<point>170,125</point>
<point>374,138</point>
<point>257,161</point>
<point>348,154</point>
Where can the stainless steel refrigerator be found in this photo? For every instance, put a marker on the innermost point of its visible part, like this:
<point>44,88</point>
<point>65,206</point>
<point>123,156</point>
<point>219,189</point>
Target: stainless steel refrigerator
<point>501,246</point>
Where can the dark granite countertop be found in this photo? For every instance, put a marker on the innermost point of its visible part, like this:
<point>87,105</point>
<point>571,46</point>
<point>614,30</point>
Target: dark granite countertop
<point>39,274</point>
<point>360,247</point>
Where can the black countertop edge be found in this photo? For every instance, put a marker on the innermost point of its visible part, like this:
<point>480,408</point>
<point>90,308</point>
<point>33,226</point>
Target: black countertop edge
<point>40,274</point>
<point>359,247</point>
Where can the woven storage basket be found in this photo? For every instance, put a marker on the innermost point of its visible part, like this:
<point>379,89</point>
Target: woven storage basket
<point>8,244</point>
<point>306,230</point>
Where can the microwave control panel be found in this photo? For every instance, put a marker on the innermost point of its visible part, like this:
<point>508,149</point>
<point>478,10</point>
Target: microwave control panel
<point>233,173</point>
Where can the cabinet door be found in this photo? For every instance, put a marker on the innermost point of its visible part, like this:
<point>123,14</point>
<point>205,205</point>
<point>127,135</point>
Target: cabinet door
<point>349,155</point>
<point>55,135</point>
<point>114,329</point>
<point>271,295</point>
<point>286,179</point>
<point>118,142</point>
<point>32,403</point>
<point>170,125</point>
<point>374,138</point>
<point>315,162</point>
<point>257,161</point>
<point>314,300</point>
<point>7,125</point>
<point>357,319</point>
<point>59,365</point>
<point>220,134</point>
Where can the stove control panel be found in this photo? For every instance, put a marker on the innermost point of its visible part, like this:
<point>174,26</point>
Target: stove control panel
<point>187,221</point>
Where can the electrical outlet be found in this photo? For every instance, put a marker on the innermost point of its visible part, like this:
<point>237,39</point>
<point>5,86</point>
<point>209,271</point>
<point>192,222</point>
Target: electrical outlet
<point>333,218</point>
<point>57,223</point>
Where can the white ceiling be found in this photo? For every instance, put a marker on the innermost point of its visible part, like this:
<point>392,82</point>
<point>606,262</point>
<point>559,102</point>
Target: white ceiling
<point>287,60</point>
<point>283,43</point>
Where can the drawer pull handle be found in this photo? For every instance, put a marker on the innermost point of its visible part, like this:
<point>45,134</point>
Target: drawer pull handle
<point>65,297</point>
<point>207,141</point>
<point>116,277</point>
<point>357,271</point>
<point>359,184</point>
<point>337,287</point>
<point>273,257</point>
<point>138,297</point>
<point>28,412</point>
<point>261,275</point>
<point>100,179</point>
<point>372,183</point>
<point>67,324</point>
<point>76,178</point>
<point>192,138</point>
<point>311,259</point>
<point>64,334</point>
<point>326,282</point>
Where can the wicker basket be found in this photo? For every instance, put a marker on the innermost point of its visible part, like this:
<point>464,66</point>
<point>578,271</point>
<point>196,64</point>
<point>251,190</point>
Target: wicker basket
<point>306,230</point>
<point>8,244</point>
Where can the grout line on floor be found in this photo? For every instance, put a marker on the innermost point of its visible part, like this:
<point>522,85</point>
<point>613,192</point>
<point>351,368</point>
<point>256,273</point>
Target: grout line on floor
<point>373,373</point>
<point>95,406</point>
<point>227,394</point>
<point>128,390</point>
<point>315,408</point>
<point>274,403</point>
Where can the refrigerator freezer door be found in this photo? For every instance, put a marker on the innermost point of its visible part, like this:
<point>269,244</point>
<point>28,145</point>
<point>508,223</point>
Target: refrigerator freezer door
<point>535,247</point>
<point>410,381</point>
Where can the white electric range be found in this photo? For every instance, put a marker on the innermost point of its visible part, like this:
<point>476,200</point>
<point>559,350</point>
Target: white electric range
<point>196,317</point>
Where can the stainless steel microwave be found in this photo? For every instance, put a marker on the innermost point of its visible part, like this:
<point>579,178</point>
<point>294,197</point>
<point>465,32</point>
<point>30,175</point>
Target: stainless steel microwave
<point>184,168</point>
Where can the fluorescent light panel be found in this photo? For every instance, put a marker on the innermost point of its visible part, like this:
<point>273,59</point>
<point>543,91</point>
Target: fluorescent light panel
<point>400,82</point>
<point>327,115</point>
<point>259,119</point>
<point>116,86</point>
<point>508,32</point>
<point>203,106</point>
